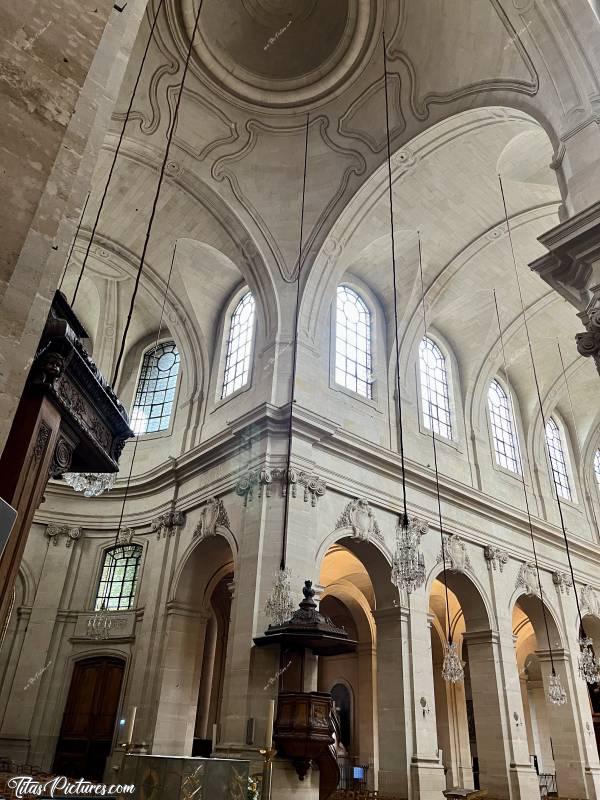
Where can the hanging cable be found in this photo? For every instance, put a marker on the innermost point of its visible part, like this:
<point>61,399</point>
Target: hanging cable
<point>116,153</point>
<point>543,417</point>
<point>73,242</point>
<point>434,444</point>
<point>404,520</point>
<point>525,496</point>
<point>153,351</point>
<point>287,477</point>
<point>157,193</point>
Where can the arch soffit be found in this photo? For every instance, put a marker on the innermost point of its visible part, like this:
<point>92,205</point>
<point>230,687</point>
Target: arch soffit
<point>470,593</point>
<point>224,541</point>
<point>357,604</point>
<point>530,605</point>
<point>374,556</point>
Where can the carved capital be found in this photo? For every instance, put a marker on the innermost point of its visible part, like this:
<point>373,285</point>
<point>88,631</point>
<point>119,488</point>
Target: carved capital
<point>562,581</point>
<point>496,558</point>
<point>71,533</point>
<point>167,524</point>
<point>262,480</point>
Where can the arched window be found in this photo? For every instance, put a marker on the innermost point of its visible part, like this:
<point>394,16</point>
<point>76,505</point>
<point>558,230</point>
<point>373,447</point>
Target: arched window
<point>558,460</point>
<point>597,466</point>
<point>353,343</point>
<point>116,590</point>
<point>434,389</point>
<point>239,346</point>
<point>155,393</point>
<point>504,435</point>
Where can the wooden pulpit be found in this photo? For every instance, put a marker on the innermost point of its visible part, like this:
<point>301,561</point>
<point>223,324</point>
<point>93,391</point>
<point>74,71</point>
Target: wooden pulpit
<point>68,420</point>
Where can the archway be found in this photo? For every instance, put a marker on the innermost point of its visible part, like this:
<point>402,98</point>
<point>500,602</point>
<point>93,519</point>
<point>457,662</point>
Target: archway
<point>196,639</point>
<point>348,598</point>
<point>475,727</point>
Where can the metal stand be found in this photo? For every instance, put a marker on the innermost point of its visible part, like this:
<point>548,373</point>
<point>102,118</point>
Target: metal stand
<point>267,775</point>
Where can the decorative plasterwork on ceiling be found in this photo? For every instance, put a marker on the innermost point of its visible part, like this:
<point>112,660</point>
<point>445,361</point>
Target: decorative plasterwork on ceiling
<point>364,117</point>
<point>329,171</point>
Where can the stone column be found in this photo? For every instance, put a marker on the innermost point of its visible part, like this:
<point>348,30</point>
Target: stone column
<point>180,680</point>
<point>427,772</point>
<point>394,700</point>
<point>502,748</point>
<point>575,754</point>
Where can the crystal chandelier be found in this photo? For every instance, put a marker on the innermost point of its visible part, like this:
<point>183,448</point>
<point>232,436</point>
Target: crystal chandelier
<point>408,564</point>
<point>452,668</point>
<point>91,484</point>
<point>280,606</point>
<point>556,693</point>
<point>99,624</point>
<point>589,668</point>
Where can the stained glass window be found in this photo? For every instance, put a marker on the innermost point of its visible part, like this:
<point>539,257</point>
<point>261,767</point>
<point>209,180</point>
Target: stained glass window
<point>504,435</point>
<point>558,460</point>
<point>239,346</point>
<point>434,389</point>
<point>353,343</point>
<point>155,391</point>
<point>116,591</point>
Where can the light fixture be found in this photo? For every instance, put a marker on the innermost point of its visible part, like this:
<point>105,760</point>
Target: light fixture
<point>556,693</point>
<point>408,564</point>
<point>280,606</point>
<point>452,668</point>
<point>99,624</point>
<point>589,668</point>
<point>92,484</point>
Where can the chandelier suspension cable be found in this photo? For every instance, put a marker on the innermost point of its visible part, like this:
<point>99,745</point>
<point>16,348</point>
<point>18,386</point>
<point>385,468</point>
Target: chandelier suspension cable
<point>157,193</point>
<point>115,154</point>
<point>575,426</point>
<point>287,477</point>
<point>525,496</point>
<point>435,461</point>
<point>77,229</point>
<point>404,520</point>
<point>540,403</point>
<point>137,438</point>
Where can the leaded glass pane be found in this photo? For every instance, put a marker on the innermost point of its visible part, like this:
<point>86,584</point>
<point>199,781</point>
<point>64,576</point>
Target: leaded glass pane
<point>558,460</point>
<point>153,406</point>
<point>353,343</point>
<point>434,389</point>
<point>116,590</point>
<point>504,437</point>
<point>239,346</point>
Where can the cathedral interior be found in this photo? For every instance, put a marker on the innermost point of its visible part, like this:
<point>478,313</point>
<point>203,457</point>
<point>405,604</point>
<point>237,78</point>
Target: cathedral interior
<point>299,340</point>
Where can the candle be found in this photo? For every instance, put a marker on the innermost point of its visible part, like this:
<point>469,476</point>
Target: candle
<point>129,726</point>
<point>214,736</point>
<point>269,728</point>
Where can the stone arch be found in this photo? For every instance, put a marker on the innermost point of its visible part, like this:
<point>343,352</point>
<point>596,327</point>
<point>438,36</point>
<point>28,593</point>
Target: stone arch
<point>471,595</point>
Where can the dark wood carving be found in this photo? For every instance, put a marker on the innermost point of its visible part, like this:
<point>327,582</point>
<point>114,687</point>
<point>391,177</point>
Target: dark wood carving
<point>68,419</point>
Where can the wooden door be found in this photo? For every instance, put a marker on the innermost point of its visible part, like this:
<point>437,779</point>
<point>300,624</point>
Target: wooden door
<point>89,720</point>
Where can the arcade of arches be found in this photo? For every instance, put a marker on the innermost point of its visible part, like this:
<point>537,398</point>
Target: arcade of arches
<point>182,552</point>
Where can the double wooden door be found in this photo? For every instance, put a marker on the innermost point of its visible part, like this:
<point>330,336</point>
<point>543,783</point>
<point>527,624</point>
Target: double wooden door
<point>89,720</point>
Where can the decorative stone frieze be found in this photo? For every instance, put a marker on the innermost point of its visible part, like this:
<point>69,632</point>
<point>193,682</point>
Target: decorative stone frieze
<point>589,601</point>
<point>213,515</point>
<point>70,533</point>
<point>562,581</point>
<point>455,554</point>
<point>262,480</point>
<point>496,557</point>
<point>527,579</point>
<point>167,524</point>
<point>359,516</point>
